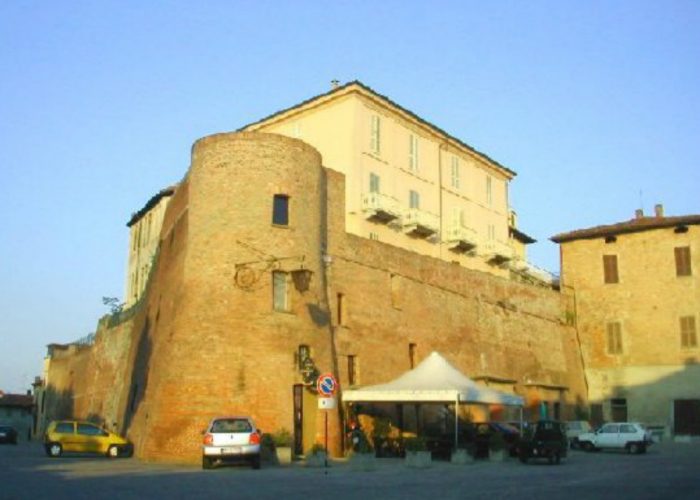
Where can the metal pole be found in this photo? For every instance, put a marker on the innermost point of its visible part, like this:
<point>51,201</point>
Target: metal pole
<point>325,459</point>
<point>457,422</point>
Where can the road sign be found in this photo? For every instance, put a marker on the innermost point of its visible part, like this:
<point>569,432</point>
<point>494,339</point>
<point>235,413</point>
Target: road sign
<point>326,385</point>
<point>326,403</point>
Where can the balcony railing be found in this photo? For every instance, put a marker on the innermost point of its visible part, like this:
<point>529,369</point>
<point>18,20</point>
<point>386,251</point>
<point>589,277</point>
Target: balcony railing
<point>461,238</point>
<point>498,252</point>
<point>380,207</point>
<point>420,223</point>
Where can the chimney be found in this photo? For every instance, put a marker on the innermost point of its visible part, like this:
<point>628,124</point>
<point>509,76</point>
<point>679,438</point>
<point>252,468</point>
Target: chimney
<point>335,84</point>
<point>659,210</point>
<point>639,213</point>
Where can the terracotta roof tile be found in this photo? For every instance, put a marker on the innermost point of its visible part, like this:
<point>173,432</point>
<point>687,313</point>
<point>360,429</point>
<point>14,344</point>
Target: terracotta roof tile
<point>631,226</point>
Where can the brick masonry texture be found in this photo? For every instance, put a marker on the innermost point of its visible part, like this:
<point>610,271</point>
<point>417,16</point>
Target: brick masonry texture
<point>205,339</point>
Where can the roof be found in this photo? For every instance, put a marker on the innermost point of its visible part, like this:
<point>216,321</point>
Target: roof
<point>135,217</point>
<point>433,380</point>
<point>522,237</point>
<point>17,400</point>
<point>361,86</point>
<point>631,226</point>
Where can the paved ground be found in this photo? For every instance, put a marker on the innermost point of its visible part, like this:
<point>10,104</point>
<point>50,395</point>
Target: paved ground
<point>668,470</point>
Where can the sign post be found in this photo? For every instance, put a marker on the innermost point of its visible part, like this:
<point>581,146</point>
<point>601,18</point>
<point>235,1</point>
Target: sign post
<point>326,386</point>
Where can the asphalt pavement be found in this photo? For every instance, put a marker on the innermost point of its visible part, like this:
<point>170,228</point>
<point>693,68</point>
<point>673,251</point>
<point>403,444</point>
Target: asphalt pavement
<point>667,470</point>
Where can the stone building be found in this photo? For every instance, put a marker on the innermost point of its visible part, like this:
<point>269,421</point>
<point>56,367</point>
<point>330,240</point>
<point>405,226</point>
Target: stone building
<point>637,296</point>
<point>269,268</point>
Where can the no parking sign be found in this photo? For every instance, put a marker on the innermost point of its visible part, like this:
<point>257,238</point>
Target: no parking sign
<point>326,385</point>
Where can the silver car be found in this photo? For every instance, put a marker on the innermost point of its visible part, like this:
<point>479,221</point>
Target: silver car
<point>574,429</point>
<point>231,440</point>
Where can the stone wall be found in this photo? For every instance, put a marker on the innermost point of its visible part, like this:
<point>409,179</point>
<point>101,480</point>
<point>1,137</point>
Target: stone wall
<point>206,340</point>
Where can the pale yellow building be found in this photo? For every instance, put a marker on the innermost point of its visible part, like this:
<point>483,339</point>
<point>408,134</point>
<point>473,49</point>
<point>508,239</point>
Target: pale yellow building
<point>409,183</point>
<point>637,295</point>
<point>144,233</point>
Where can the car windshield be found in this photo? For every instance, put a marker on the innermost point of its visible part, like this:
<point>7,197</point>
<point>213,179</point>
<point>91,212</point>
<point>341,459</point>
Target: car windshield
<point>231,425</point>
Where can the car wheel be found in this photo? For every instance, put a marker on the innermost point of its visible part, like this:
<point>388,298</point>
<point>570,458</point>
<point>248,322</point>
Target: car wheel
<point>207,463</point>
<point>256,462</point>
<point>588,446</point>
<point>113,451</point>
<point>54,450</point>
<point>633,448</point>
<point>523,458</point>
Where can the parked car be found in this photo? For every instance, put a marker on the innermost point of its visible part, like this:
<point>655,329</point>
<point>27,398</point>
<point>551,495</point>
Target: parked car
<point>8,434</point>
<point>574,429</point>
<point>630,436</point>
<point>545,439</point>
<point>84,437</point>
<point>230,440</point>
<point>483,435</point>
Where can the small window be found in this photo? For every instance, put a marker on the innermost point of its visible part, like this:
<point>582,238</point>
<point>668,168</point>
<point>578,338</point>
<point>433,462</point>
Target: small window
<point>610,274</point>
<point>413,199</point>
<point>280,291</point>
<point>614,338</point>
<point>373,183</point>
<point>375,135</point>
<point>280,210</point>
<point>374,236</point>
<point>454,172</point>
<point>489,190</point>
<point>352,370</point>
<point>682,255</point>
<point>412,355</point>
<point>413,153</point>
<point>610,239</point>
<point>689,338</point>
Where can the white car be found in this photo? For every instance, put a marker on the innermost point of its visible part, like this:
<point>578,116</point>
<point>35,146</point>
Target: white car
<point>574,429</point>
<point>630,436</point>
<point>231,439</point>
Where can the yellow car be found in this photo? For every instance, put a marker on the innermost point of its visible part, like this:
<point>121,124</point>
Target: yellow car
<point>84,437</point>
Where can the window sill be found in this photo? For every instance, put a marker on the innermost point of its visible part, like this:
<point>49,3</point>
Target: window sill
<point>281,226</point>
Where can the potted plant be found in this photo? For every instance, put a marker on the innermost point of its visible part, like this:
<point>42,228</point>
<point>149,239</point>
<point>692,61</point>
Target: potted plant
<point>417,454</point>
<point>282,440</point>
<point>463,455</point>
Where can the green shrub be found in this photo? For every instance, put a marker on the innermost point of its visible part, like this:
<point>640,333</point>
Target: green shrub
<point>282,438</point>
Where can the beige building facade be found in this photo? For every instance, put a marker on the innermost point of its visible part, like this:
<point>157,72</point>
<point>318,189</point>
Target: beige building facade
<point>637,291</point>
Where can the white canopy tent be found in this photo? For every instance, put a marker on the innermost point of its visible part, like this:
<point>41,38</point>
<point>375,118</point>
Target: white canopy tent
<point>434,380</point>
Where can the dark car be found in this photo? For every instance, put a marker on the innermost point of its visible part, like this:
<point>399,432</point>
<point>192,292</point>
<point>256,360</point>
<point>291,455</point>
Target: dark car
<point>8,434</point>
<point>485,433</point>
<point>546,439</point>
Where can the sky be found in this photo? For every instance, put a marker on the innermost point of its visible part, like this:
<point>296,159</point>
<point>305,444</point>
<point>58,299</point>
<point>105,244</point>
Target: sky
<point>595,104</point>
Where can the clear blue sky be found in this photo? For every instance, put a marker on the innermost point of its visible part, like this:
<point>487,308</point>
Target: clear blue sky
<point>596,105</point>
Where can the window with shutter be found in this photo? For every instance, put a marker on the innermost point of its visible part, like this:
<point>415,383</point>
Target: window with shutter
<point>682,255</point>
<point>610,269</point>
<point>614,338</point>
<point>689,337</point>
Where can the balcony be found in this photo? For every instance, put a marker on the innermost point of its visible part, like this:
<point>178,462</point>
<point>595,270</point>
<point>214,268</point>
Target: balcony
<point>420,224</point>
<point>380,208</point>
<point>497,252</point>
<point>461,238</point>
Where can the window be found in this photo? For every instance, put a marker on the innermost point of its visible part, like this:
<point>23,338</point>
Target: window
<point>627,429</point>
<point>689,336</point>
<point>618,410</point>
<point>373,183</point>
<point>64,428</point>
<point>413,152</point>
<point>610,429</point>
<point>280,291</point>
<point>682,261</point>
<point>610,274</point>
<point>454,172</point>
<point>352,370</point>
<point>413,199</point>
<point>374,236</point>
<point>280,210</point>
<point>341,309</point>
<point>90,430</point>
<point>489,190</point>
<point>375,135</point>
<point>614,338</point>
<point>412,355</point>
